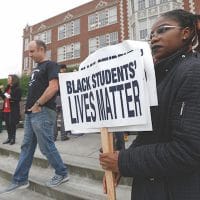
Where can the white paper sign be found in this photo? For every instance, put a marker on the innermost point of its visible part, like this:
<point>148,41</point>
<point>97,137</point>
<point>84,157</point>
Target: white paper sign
<point>109,94</point>
<point>106,53</point>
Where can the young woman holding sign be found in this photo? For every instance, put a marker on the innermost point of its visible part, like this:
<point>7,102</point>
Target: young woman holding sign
<point>165,164</point>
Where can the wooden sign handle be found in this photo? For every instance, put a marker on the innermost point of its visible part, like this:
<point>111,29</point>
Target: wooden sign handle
<point>107,146</point>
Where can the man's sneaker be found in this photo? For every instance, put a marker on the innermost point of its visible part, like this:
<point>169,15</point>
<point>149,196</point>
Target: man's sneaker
<point>57,180</point>
<point>16,186</point>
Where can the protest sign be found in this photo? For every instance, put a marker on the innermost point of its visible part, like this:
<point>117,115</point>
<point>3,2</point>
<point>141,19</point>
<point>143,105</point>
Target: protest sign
<point>121,49</point>
<point>105,95</point>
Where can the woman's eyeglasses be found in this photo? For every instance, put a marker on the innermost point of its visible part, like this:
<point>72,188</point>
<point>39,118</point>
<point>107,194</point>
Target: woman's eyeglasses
<point>161,30</point>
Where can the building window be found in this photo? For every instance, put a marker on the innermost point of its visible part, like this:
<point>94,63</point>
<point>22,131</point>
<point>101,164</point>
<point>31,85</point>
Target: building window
<point>113,38</point>
<point>92,21</point>
<point>44,36</point>
<point>69,52</point>
<point>152,3</point>
<point>102,41</point>
<point>61,32</point>
<point>48,54</point>
<point>93,45</point>
<point>26,42</point>
<point>25,64</point>
<point>152,20</point>
<point>112,15</point>
<point>141,4</point>
<point>76,27</point>
<point>76,50</point>
<point>102,18</point>
<point>143,34</point>
<point>143,29</point>
<point>69,29</point>
<point>61,54</point>
<point>163,1</point>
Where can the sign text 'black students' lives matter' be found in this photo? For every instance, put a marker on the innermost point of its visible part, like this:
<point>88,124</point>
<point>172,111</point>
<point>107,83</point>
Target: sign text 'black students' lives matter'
<point>97,87</point>
<point>106,95</point>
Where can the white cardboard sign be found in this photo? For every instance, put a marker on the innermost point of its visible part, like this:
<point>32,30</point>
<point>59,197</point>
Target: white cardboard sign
<point>106,95</point>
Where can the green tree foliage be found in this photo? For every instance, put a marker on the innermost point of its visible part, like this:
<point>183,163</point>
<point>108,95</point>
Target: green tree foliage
<point>71,69</point>
<point>3,81</point>
<point>24,84</point>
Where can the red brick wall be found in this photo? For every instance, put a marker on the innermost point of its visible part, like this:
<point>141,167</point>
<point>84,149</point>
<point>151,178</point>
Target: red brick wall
<point>197,6</point>
<point>81,12</point>
<point>187,6</point>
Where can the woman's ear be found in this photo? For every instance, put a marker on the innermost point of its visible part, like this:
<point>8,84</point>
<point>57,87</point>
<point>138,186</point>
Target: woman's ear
<point>186,32</point>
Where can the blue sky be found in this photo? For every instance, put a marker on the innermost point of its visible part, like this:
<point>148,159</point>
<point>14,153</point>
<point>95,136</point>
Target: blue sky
<point>14,16</point>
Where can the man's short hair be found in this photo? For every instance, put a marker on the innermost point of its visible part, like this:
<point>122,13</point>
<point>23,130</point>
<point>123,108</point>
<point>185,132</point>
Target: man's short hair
<point>42,44</point>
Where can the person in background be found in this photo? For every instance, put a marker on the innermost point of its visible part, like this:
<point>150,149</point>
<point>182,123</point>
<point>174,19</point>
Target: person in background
<point>63,133</point>
<point>11,107</point>
<point>165,163</point>
<point>1,114</point>
<point>40,117</point>
<point>119,141</point>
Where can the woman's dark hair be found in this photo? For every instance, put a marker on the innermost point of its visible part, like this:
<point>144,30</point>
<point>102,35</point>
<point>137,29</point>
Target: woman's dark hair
<point>187,19</point>
<point>15,80</point>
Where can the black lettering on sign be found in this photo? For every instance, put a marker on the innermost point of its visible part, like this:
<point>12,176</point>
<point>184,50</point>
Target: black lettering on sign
<point>101,106</point>
<point>112,89</point>
<point>92,105</point>
<point>69,87</point>
<point>129,100</point>
<point>108,105</point>
<point>73,120</point>
<point>136,93</point>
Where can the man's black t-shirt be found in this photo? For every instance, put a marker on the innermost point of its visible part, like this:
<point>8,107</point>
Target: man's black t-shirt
<point>39,81</point>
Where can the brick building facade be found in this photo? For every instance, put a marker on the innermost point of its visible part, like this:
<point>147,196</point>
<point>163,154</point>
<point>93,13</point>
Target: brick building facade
<point>143,14</point>
<point>192,6</point>
<point>71,36</point>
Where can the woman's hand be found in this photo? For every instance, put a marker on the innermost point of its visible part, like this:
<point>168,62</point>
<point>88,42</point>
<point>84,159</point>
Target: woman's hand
<point>109,161</point>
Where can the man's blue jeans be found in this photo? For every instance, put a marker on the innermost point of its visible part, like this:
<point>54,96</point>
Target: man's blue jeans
<point>38,128</point>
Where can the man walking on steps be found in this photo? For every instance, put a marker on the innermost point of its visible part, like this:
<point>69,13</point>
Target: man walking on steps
<point>40,117</point>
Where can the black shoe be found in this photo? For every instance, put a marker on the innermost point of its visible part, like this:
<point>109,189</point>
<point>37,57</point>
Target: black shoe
<point>65,138</point>
<point>7,141</point>
<point>12,141</point>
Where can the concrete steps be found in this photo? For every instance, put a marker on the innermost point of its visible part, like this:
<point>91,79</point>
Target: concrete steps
<point>84,171</point>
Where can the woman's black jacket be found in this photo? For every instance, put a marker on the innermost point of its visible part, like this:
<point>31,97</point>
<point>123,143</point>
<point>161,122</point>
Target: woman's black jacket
<point>165,163</point>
